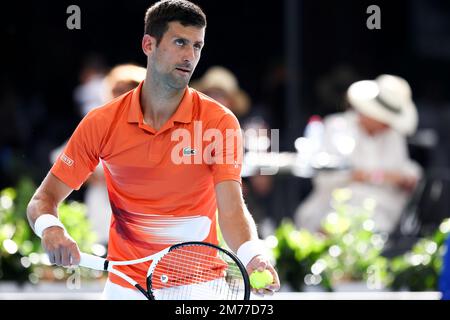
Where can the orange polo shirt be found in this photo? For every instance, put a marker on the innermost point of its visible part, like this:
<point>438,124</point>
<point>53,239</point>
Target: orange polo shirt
<point>160,182</point>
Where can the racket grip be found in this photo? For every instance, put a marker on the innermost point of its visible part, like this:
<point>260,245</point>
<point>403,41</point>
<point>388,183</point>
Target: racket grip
<point>92,262</point>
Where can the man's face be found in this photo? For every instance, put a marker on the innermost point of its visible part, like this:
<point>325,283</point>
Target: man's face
<point>173,61</point>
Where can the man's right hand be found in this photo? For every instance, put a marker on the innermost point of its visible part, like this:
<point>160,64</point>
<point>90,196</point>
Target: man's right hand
<point>62,250</point>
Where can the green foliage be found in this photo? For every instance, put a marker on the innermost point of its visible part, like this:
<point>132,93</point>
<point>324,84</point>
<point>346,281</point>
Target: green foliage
<point>349,249</point>
<point>73,216</point>
<point>295,253</point>
<point>355,247</point>
<point>419,268</point>
<point>16,238</point>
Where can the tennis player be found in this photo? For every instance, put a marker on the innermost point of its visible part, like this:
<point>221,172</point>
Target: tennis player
<point>168,161</point>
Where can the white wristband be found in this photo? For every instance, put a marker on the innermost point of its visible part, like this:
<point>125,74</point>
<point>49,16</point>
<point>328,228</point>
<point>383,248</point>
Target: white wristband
<point>248,250</point>
<point>46,221</point>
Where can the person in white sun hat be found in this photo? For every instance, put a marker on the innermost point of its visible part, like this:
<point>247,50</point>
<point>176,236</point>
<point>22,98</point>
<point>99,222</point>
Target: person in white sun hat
<point>371,137</point>
<point>387,100</point>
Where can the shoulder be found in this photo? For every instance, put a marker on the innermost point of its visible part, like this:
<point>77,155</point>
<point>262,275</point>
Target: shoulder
<point>211,111</point>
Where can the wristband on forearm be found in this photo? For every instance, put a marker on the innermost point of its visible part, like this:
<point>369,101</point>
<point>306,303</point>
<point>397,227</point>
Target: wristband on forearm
<point>250,249</point>
<point>45,221</point>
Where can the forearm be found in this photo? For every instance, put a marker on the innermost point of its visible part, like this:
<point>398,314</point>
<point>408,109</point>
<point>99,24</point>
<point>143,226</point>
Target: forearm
<point>40,204</point>
<point>61,249</point>
<point>239,230</point>
<point>47,198</point>
<point>333,179</point>
<point>385,177</point>
<point>237,227</point>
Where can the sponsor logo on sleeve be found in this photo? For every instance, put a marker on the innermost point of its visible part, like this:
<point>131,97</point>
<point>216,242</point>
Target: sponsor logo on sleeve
<point>66,160</point>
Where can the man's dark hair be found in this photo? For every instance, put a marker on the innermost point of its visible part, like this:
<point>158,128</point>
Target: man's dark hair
<point>159,15</point>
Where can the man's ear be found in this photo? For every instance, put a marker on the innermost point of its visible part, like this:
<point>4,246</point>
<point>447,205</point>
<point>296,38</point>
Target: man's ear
<point>148,44</point>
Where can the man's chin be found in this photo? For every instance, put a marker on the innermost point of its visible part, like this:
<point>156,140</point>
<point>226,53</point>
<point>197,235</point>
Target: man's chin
<point>180,86</point>
<point>180,83</point>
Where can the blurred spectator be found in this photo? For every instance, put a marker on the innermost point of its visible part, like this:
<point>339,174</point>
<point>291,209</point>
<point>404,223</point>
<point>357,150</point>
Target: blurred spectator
<point>118,81</point>
<point>371,138</point>
<point>91,92</point>
<point>123,78</point>
<point>222,85</point>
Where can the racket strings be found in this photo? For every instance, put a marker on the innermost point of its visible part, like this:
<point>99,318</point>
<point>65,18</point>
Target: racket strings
<point>190,265</point>
<point>214,291</point>
<point>207,291</point>
<point>186,278</point>
<point>197,275</point>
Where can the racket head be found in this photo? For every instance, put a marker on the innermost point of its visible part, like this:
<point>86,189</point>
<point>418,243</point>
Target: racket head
<point>198,271</point>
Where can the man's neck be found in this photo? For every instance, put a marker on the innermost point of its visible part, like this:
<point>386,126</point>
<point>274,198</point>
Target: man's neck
<point>159,103</point>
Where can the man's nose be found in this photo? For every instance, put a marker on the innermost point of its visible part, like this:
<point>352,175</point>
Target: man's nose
<point>189,54</point>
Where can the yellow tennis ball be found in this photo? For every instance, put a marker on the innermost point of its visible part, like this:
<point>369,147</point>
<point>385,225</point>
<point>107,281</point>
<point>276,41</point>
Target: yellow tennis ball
<point>260,279</point>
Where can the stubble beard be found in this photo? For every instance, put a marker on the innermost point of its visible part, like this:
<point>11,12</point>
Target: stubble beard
<point>169,80</point>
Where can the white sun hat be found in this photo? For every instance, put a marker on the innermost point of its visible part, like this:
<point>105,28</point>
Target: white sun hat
<point>387,99</point>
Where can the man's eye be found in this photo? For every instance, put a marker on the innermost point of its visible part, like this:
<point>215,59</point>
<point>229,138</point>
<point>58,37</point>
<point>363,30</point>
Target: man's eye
<point>179,42</point>
<point>198,46</point>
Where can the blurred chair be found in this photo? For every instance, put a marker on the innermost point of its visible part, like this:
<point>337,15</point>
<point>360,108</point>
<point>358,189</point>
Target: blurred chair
<point>427,208</point>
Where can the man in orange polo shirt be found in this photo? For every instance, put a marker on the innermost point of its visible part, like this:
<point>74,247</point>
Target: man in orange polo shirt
<point>171,156</point>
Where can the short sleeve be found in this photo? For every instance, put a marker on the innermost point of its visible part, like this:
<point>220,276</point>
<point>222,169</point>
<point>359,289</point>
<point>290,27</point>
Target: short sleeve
<point>227,163</point>
<point>81,154</point>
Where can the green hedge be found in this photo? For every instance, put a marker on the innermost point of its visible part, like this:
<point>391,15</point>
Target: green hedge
<point>349,249</point>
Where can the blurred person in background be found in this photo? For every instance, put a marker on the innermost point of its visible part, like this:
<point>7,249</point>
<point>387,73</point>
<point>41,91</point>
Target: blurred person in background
<point>90,93</point>
<point>371,137</point>
<point>222,85</point>
<point>120,79</point>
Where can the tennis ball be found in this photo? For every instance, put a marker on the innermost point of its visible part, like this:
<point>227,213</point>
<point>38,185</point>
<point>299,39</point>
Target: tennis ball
<point>260,279</point>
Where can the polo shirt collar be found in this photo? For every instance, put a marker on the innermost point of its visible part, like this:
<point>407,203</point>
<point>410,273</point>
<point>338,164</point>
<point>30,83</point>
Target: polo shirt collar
<point>183,113</point>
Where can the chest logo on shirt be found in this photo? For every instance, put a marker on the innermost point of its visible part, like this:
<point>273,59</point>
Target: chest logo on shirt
<point>189,151</point>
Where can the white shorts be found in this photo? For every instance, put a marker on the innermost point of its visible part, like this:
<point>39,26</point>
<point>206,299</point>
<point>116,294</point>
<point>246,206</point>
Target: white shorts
<point>113,291</point>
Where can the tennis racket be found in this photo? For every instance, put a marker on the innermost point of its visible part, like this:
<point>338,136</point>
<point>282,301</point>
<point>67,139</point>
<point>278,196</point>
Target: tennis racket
<point>185,271</point>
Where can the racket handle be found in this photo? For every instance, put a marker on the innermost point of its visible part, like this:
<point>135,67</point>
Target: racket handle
<point>92,262</point>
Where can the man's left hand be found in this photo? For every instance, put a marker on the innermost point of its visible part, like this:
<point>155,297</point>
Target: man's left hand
<point>261,263</point>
